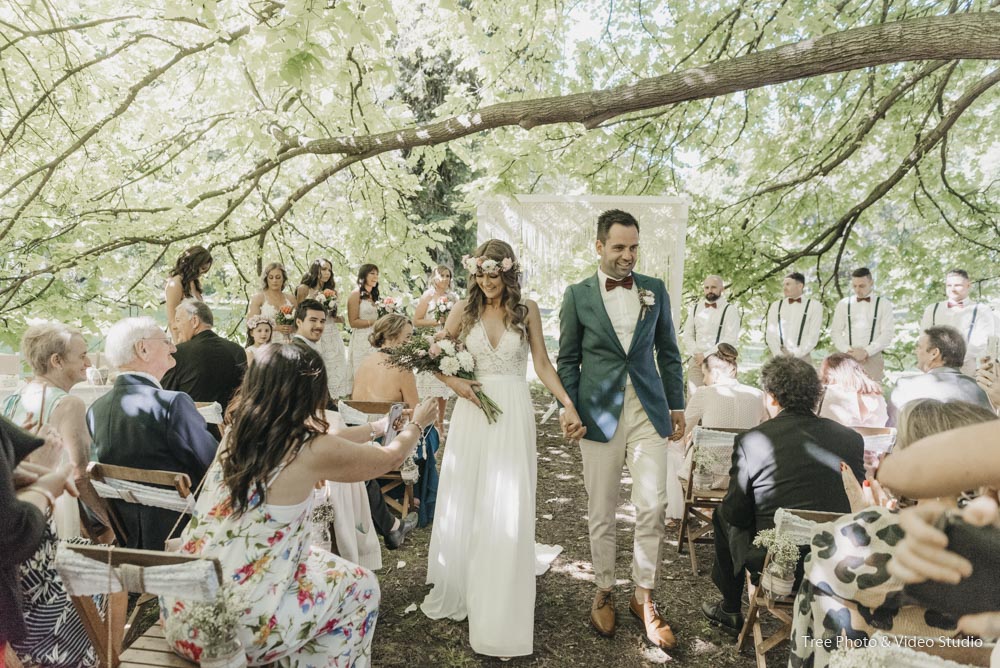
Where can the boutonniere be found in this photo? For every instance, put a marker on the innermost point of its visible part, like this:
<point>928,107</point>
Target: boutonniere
<point>646,302</point>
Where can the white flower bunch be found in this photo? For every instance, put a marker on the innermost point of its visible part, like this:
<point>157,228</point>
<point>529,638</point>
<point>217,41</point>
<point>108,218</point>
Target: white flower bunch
<point>447,347</point>
<point>450,366</point>
<point>466,360</point>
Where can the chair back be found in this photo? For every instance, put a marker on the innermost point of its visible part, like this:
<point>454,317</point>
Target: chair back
<point>132,485</point>
<point>360,412</point>
<point>717,445</point>
<point>89,570</point>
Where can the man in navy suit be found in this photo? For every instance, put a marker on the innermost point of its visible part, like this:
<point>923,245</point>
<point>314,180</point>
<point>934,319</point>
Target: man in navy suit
<point>141,425</point>
<point>791,461</point>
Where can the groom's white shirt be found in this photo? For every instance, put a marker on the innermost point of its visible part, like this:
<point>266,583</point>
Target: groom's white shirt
<point>623,309</point>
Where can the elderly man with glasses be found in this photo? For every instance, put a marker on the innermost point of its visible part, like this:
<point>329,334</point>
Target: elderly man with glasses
<point>141,425</point>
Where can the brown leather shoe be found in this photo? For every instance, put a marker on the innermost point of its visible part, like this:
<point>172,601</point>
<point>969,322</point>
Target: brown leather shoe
<point>657,631</point>
<point>602,613</point>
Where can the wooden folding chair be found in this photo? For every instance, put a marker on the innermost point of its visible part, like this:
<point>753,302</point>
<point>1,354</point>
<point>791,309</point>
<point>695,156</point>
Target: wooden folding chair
<point>89,570</point>
<point>375,410</point>
<point>779,608</point>
<point>132,485</point>
<point>701,502</point>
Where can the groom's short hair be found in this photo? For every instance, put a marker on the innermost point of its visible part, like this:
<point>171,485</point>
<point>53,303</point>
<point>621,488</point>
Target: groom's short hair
<point>614,217</point>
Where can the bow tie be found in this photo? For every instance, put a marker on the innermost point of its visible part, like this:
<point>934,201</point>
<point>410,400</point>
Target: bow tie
<point>956,304</point>
<point>795,301</point>
<point>711,305</point>
<point>610,283</point>
<point>864,299</point>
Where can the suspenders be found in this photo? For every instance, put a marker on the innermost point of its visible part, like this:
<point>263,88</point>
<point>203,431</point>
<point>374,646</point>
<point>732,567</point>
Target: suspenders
<point>722,321</point>
<point>871,336</point>
<point>802,325</point>
<point>972,324</point>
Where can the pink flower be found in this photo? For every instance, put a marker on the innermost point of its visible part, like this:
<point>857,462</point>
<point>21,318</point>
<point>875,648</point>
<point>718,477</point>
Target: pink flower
<point>506,264</point>
<point>434,351</point>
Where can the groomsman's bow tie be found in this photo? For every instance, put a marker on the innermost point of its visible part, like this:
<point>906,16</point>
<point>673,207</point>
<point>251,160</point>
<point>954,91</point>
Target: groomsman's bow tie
<point>711,305</point>
<point>864,299</point>
<point>960,304</point>
<point>610,283</point>
<point>795,301</point>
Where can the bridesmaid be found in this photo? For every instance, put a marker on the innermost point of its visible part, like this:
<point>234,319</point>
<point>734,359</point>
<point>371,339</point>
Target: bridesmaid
<point>362,314</point>
<point>272,297</point>
<point>426,315</point>
<point>185,280</point>
<point>314,282</point>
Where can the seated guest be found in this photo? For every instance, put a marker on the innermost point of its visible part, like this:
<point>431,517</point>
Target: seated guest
<point>36,616</point>
<point>141,425</point>
<point>829,605</point>
<point>58,358</point>
<point>850,396</point>
<point>304,606</point>
<point>375,380</point>
<point>791,461</point>
<point>722,402</point>
<point>208,367</point>
<point>940,355</point>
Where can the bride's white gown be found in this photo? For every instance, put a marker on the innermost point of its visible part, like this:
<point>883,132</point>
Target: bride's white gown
<point>482,553</point>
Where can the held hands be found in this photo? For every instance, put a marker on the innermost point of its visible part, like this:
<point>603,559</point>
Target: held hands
<point>571,424</point>
<point>677,419</point>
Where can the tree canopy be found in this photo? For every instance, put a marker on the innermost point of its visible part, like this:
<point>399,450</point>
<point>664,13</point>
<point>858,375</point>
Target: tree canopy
<point>819,136</point>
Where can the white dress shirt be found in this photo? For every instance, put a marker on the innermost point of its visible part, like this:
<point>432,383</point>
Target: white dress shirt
<point>852,325</point>
<point>796,332</point>
<point>623,309</point>
<point>975,321</point>
<point>702,330</point>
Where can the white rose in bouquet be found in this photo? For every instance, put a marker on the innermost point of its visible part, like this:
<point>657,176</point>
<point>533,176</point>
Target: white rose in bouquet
<point>466,360</point>
<point>448,347</point>
<point>450,366</point>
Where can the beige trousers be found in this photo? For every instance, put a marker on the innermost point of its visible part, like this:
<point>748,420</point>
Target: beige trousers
<point>636,444</point>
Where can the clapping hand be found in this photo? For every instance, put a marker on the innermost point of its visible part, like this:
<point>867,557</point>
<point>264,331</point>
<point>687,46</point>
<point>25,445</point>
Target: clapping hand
<point>571,424</point>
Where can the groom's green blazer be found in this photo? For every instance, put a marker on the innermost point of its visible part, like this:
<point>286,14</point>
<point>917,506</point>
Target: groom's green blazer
<point>592,363</point>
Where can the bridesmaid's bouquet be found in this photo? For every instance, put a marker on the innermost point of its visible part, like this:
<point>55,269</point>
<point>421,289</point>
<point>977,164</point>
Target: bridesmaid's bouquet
<point>285,315</point>
<point>424,354</point>
<point>441,307</point>
<point>387,305</point>
<point>328,298</point>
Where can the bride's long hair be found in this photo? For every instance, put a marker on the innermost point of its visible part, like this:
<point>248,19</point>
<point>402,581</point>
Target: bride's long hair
<point>515,313</point>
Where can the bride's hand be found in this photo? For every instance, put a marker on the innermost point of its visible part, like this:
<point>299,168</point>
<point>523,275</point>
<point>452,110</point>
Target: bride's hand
<point>465,388</point>
<point>572,425</point>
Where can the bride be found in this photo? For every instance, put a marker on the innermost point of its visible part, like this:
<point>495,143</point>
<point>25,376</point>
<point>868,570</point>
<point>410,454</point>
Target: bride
<point>481,561</point>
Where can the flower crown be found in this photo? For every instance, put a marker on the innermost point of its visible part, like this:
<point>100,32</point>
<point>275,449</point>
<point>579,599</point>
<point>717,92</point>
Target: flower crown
<point>488,265</point>
<point>255,320</point>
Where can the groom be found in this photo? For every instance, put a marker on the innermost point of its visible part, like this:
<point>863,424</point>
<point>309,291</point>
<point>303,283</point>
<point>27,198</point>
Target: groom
<point>615,331</point>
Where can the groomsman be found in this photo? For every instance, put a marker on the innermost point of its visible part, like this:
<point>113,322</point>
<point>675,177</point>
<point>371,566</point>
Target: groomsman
<point>710,322</point>
<point>792,324</point>
<point>976,322</point>
<point>863,325</point>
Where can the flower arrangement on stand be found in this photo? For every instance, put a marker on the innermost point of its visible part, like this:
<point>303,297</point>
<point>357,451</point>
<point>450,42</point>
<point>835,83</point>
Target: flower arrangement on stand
<point>425,354</point>
<point>778,577</point>
<point>212,631</point>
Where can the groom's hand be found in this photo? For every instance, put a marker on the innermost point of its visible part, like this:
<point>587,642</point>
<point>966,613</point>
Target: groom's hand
<point>571,425</point>
<point>677,418</point>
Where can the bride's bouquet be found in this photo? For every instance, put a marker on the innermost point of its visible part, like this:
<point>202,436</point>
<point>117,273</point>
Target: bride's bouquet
<point>387,305</point>
<point>424,354</point>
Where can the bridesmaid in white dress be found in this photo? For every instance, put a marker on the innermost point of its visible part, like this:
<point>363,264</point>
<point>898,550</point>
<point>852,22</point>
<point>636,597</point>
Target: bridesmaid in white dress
<point>362,314</point>
<point>427,315</point>
<point>339,374</point>
<point>482,552</point>
<point>272,298</point>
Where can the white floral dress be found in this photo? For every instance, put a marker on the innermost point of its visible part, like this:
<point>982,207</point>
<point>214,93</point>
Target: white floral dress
<point>304,607</point>
<point>360,347</point>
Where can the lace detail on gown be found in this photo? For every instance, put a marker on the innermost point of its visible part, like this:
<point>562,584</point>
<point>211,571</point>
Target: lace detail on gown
<point>509,358</point>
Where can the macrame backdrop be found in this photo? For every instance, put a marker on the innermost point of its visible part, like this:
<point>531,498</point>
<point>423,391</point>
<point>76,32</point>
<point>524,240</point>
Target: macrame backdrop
<point>554,236</point>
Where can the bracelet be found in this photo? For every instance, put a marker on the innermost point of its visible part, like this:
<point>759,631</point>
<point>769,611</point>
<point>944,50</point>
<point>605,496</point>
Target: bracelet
<point>415,424</point>
<point>46,493</point>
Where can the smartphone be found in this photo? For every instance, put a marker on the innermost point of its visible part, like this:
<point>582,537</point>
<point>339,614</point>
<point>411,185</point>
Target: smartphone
<point>394,414</point>
<point>980,592</point>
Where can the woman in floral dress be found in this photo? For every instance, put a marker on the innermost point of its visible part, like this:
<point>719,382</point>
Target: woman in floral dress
<point>301,606</point>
